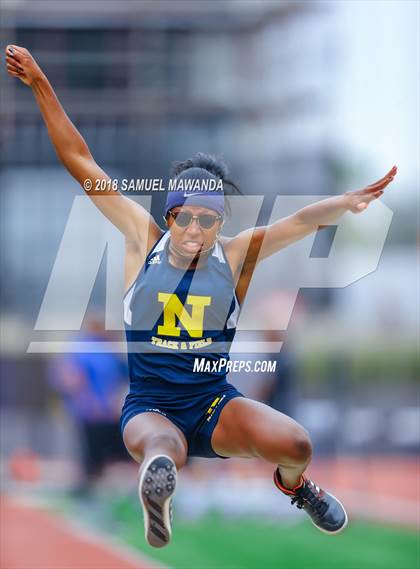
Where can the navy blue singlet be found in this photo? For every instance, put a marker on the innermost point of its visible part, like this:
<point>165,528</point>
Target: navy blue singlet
<point>173,316</point>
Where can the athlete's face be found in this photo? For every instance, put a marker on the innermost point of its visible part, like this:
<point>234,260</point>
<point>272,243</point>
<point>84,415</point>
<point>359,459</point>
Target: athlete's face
<point>193,238</point>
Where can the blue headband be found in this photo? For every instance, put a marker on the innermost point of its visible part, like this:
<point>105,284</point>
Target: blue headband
<point>196,186</point>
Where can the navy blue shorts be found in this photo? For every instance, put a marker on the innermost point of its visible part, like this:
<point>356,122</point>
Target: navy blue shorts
<point>193,409</point>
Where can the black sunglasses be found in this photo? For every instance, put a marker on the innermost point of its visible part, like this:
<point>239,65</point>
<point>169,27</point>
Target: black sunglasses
<point>205,220</point>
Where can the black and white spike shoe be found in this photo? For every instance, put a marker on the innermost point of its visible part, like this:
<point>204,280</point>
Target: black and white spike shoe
<point>156,487</point>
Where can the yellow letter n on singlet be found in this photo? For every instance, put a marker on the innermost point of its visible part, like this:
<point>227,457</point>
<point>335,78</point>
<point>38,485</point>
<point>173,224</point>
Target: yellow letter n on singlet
<point>173,307</point>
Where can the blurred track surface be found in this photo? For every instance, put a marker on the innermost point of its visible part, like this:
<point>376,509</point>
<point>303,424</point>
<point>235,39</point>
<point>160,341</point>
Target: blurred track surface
<point>31,538</point>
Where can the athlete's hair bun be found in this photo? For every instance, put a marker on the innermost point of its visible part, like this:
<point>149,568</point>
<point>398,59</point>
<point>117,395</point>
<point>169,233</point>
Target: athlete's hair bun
<point>214,165</point>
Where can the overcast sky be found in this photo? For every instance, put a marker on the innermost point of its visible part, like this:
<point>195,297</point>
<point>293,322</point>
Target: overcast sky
<point>378,85</point>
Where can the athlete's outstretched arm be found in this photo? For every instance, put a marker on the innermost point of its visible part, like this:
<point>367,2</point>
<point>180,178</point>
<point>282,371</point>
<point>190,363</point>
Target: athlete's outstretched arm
<point>262,242</point>
<point>130,218</point>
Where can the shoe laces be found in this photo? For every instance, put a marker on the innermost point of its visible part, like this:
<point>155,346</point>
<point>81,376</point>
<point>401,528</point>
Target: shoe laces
<point>310,494</point>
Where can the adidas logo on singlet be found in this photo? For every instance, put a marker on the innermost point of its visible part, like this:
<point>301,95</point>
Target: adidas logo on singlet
<point>154,260</point>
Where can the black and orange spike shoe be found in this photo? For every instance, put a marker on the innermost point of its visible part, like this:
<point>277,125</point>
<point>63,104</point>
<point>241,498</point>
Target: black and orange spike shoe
<point>327,513</point>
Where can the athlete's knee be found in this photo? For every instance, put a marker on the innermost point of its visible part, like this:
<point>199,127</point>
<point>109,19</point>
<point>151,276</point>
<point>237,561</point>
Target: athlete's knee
<point>166,443</point>
<point>162,440</point>
<point>293,447</point>
<point>141,441</point>
<point>300,446</point>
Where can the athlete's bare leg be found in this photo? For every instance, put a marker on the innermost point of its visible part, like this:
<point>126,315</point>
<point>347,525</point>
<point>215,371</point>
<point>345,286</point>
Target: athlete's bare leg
<point>149,434</point>
<point>248,428</point>
<point>251,429</point>
<point>160,448</point>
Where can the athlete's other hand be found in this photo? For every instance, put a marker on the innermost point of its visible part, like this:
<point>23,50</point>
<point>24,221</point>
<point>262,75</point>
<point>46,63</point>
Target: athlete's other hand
<point>22,65</point>
<point>359,200</point>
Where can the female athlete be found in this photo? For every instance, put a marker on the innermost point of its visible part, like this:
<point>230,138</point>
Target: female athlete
<point>184,288</point>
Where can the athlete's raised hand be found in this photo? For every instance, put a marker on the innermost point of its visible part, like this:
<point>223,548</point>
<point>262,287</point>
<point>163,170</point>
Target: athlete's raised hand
<point>359,200</point>
<point>130,217</point>
<point>22,65</point>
